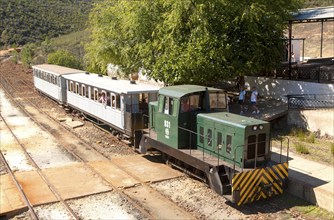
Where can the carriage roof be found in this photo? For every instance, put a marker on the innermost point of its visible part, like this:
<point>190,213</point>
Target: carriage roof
<point>182,90</point>
<point>56,70</point>
<point>114,85</point>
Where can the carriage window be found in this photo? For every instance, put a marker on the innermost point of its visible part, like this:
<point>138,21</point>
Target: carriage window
<point>118,101</point>
<point>91,93</point>
<point>219,140</point>
<point>71,86</point>
<point>48,78</point>
<point>209,137</point>
<point>96,95</point>
<point>108,98</point>
<point>83,90</point>
<point>228,143</point>
<point>201,135</point>
<point>77,88</point>
<point>87,92</point>
<point>56,80</point>
<point>115,101</point>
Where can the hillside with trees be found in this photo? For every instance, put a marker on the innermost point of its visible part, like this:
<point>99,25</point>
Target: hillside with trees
<point>26,21</point>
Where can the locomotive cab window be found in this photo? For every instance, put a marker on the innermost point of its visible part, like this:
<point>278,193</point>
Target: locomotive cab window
<point>166,105</point>
<point>217,100</point>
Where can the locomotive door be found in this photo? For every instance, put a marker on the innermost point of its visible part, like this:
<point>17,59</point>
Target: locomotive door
<point>224,145</point>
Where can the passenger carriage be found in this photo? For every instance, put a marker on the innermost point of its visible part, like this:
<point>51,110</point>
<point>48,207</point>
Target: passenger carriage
<point>124,107</point>
<point>48,79</point>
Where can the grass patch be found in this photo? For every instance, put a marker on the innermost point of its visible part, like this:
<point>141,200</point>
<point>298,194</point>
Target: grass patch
<point>301,148</point>
<point>303,135</point>
<point>314,212</point>
<point>332,148</point>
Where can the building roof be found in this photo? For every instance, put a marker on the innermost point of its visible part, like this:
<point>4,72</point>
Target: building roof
<point>313,15</point>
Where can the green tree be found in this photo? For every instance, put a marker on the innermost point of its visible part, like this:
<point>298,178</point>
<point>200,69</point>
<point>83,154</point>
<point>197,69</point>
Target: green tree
<point>4,38</point>
<point>64,58</point>
<point>27,54</point>
<point>188,41</point>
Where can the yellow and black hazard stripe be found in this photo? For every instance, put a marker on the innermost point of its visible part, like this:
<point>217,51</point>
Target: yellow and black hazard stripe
<point>259,183</point>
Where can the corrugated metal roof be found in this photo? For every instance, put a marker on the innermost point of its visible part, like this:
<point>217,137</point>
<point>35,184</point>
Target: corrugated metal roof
<point>117,86</point>
<point>57,70</point>
<point>314,15</point>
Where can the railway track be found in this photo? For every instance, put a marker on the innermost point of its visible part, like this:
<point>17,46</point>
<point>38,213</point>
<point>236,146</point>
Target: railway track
<point>52,126</point>
<point>41,174</point>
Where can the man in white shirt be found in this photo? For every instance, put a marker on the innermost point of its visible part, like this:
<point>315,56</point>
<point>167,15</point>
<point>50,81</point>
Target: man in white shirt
<point>254,101</point>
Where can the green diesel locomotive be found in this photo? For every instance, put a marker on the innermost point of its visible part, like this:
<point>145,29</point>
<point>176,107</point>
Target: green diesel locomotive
<point>191,127</point>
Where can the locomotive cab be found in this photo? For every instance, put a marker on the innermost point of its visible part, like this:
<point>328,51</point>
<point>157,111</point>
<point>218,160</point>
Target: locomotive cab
<point>174,116</point>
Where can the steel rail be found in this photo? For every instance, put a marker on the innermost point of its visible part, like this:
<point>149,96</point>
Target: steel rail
<point>18,186</point>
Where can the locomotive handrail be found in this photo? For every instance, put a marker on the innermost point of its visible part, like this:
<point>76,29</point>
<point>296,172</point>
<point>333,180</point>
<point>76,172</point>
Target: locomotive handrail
<point>191,132</point>
<point>287,153</point>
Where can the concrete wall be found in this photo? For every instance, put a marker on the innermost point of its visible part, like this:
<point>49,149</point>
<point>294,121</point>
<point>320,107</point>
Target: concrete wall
<point>280,88</point>
<point>313,120</point>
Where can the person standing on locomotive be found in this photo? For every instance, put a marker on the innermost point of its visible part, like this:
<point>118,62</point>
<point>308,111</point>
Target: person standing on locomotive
<point>185,106</point>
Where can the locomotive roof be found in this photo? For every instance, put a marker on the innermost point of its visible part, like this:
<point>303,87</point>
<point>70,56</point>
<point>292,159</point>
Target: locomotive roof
<point>115,85</point>
<point>56,70</point>
<point>232,119</point>
<point>182,90</point>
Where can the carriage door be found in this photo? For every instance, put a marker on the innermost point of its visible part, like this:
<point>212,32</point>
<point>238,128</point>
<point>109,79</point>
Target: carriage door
<point>219,143</point>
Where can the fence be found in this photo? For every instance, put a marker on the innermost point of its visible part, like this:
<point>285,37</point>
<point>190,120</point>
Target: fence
<point>311,101</point>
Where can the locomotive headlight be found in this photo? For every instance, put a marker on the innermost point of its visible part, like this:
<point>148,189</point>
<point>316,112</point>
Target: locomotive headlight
<point>254,128</point>
<point>260,127</point>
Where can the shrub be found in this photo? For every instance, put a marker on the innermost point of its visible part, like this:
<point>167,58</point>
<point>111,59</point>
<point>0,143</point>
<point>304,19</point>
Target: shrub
<point>310,138</point>
<point>301,148</point>
<point>64,58</point>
